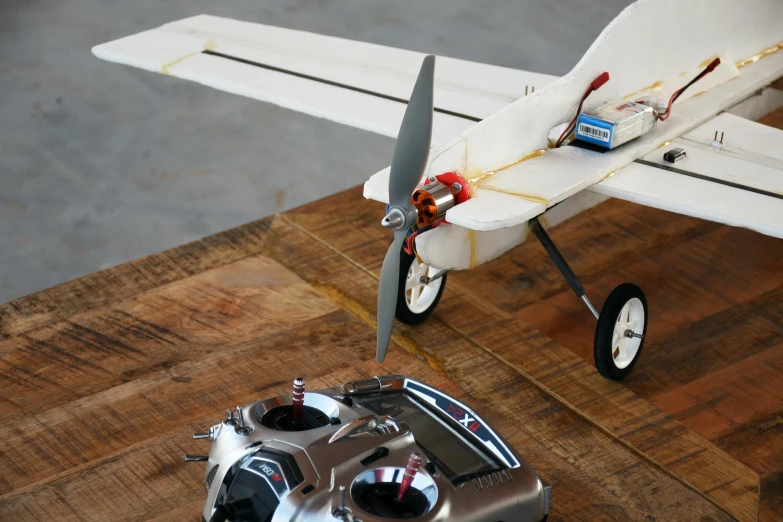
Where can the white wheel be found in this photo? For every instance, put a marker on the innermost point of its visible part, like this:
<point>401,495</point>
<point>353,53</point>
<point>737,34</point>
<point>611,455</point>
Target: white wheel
<point>630,321</point>
<point>417,298</point>
<point>619,336</point>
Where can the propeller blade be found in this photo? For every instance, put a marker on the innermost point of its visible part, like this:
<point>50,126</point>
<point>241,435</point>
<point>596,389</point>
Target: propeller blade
<point>388,285</point>
<point>408,163</point>
<point>413,141</point>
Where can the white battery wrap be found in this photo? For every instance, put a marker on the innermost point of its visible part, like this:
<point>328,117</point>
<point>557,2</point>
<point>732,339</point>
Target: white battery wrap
<point>614,123</point>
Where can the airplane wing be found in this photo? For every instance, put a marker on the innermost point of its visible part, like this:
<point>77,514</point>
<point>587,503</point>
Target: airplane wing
<point>355,83</point>
<point>367,86</point>
<point>738,182</point>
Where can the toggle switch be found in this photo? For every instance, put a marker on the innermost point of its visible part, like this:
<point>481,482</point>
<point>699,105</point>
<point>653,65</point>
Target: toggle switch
<point>210,435</point>
<point>242,428</point>
<point>196,458</point>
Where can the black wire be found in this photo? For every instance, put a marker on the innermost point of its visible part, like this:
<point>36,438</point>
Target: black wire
<point>679,93</point>
<point>566,135</point>
<point>572,125</point>
<point>682,90</point>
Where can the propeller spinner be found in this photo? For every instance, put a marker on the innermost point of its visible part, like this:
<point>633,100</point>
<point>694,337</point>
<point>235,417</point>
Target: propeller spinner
<point>407,169</point>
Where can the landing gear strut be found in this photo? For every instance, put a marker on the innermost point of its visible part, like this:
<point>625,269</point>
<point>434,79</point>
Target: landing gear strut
<point>622,323</point>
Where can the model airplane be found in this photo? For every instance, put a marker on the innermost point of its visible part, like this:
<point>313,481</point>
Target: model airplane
<point>498,171</point>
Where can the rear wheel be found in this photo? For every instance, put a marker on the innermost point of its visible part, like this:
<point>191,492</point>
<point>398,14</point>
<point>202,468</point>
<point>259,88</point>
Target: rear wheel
<point>415,299</point>
<point>619,336</point>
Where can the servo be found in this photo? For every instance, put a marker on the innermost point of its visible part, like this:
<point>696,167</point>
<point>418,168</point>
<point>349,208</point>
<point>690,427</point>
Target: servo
<point>614,123</point>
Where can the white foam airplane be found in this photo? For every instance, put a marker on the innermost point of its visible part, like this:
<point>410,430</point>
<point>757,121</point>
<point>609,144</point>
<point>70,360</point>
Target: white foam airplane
<point>495,171</point>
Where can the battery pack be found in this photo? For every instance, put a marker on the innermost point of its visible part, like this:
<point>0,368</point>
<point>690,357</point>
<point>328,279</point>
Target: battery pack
<point>614,123</point>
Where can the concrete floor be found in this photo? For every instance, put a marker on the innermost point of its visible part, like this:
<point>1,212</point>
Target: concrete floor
<point>102,163</point>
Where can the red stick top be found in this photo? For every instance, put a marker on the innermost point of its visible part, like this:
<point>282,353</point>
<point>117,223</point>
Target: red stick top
<point>299,388</point>
<point>414,461</point>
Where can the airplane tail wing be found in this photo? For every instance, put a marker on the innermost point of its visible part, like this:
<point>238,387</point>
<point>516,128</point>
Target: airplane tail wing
<point>355,83</point>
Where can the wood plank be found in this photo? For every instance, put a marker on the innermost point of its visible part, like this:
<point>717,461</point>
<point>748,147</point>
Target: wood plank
<point>749,264</point>
<point>141,482</point>
<point>744,393</point>
<point>40,445</point>
<point>758,444</point>
<point>711,344</point>
<point>145,415</point>
<point>92,352</point>
<point>128,279</point>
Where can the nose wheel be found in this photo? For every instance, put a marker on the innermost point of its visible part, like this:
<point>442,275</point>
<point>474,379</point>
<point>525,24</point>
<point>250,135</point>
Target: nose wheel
<point>420,288</point>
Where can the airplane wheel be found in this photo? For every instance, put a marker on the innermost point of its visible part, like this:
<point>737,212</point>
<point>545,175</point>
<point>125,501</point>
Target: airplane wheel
<point>416,300</point>
<point>622,321</point>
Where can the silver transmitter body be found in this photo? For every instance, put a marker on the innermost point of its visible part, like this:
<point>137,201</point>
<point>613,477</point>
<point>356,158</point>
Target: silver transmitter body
<point>344,460</point>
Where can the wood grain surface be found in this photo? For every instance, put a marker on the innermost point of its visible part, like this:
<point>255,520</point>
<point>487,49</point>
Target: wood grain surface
<point>103,379</point>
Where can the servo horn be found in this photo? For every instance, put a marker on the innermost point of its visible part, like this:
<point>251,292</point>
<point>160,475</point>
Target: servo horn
<point>414,461</point>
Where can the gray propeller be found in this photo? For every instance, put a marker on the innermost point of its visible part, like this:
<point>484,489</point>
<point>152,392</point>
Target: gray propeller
<point>408,163</point>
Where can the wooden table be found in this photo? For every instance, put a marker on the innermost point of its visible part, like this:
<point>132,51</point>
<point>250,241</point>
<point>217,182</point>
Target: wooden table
<point>104,378</point>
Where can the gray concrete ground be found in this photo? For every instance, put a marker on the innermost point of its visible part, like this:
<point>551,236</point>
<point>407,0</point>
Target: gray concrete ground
<point>101,163</point>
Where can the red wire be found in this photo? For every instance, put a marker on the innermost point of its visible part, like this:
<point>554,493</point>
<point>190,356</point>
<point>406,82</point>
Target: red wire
<point>665,115</point>
<point>676,94</point>
<point>568,129</point>
<point>409,244</point>
<point>594,86</point>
